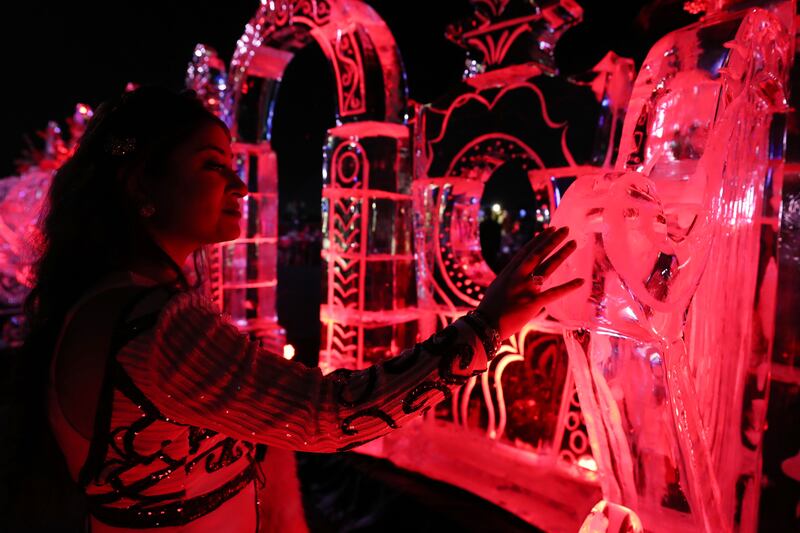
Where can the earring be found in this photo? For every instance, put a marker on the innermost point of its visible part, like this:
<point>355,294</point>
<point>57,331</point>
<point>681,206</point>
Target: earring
<point>147,210</point>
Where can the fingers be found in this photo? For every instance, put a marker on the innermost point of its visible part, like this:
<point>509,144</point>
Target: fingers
<point>547,245</point>
<point>549,265</point>
<point>554,293</point>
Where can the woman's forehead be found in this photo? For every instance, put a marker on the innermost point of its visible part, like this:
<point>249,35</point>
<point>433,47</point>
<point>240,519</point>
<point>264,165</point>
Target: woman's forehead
<point>210,135</point>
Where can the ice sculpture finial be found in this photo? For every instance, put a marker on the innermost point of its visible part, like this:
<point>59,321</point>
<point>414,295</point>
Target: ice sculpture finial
<point>501,33</point>
<point>54,147</point>
<point>206,75</point>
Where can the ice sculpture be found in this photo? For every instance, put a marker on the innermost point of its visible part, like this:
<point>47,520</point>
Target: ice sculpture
<point>670,340</point>
<point>513,115</point>
<point>366,175</point>
<point>21,200</point>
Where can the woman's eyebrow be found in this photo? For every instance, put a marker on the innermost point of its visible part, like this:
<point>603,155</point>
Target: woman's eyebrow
<point>214,148</point>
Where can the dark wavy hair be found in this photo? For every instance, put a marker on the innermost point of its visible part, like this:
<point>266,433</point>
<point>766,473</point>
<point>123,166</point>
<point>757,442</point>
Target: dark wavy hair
<point>91,227</point>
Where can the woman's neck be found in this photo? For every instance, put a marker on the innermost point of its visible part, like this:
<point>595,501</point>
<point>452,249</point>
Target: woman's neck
<point>153,270</point>
<point>175,248</point>
<point>160,259</point>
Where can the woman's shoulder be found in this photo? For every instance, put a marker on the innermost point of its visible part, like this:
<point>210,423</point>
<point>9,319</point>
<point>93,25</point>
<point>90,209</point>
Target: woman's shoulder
<point>119,295</point>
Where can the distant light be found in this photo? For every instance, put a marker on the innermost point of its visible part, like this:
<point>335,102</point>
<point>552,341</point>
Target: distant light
<point>288,351</point>
<point>496,209</point>
<point>523,213</point>
<point>588,463</point>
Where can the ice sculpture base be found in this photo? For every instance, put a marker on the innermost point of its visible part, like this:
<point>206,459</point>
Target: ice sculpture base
<point>552,496</point>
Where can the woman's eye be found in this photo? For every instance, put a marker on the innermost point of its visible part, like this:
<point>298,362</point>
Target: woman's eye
<point>217,166</point>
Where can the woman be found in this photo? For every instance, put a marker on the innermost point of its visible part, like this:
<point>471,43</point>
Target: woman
<point>155,399</point>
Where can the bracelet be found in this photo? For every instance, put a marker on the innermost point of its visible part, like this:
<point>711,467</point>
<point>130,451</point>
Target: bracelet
<point>489,336</point>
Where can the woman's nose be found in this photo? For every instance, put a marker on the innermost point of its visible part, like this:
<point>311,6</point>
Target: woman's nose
<point>236,184</point>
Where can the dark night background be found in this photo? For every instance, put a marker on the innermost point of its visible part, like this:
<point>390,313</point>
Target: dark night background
<point>56,54</point>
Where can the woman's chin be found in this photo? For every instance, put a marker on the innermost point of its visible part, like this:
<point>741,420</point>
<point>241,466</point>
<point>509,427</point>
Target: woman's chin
<point>228,234</point>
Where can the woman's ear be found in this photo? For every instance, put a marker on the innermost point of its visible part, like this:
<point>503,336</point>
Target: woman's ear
<point>131,179</point>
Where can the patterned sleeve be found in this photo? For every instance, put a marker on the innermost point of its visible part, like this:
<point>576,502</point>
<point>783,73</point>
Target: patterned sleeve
<point>199,369</point>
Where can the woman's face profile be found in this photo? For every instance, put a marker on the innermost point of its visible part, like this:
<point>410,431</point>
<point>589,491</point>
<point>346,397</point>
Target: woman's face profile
<point>201,200</point>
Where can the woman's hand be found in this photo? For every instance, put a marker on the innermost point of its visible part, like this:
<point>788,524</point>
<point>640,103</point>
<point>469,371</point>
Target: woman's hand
<point>515,296</point>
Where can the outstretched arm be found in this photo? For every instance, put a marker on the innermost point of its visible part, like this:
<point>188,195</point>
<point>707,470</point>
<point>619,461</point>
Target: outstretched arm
<point>198,369</point>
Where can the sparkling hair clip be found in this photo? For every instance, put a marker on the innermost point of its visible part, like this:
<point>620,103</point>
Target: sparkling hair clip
<point>118,147</point>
